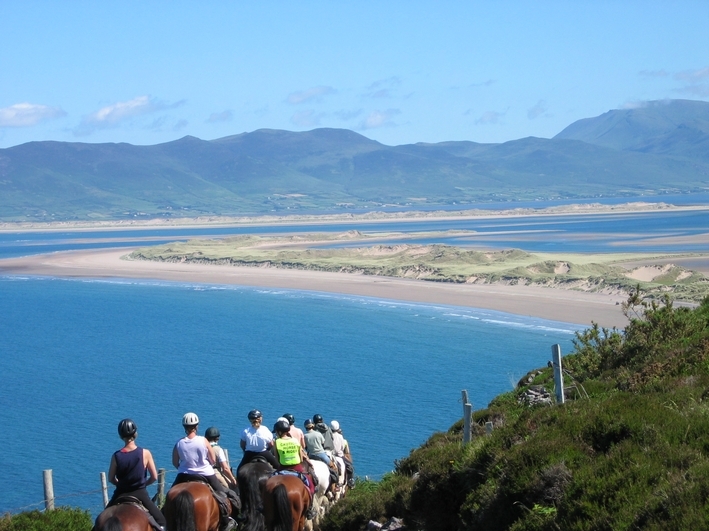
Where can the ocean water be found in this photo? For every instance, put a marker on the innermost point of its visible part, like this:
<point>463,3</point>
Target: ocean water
<point>77,356</point>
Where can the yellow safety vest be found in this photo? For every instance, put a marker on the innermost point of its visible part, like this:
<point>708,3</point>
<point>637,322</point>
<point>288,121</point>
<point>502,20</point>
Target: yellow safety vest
<point>288,451</point>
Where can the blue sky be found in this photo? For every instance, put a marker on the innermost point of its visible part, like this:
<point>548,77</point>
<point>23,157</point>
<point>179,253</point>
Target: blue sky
<point>395,71</point>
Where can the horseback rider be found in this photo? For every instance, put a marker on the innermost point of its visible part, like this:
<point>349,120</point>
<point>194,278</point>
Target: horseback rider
<point>194,458</point>
<point>326,432</point>
<point>221,467</point>
<point>295,431</point>
<point>132,469</point>
<point>314,442</point>
<point>257,440</point>
<point>291,456</point>
<point>342,450</point>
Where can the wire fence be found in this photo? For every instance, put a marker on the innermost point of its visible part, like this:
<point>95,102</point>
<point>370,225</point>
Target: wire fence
<point>92,506</point>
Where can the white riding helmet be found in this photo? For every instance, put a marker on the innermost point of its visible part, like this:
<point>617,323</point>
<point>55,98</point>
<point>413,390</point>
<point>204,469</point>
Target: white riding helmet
<point>334,425</point>
<point>190,419</point>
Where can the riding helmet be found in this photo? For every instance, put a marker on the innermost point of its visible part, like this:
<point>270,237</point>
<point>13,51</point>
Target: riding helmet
<point>254,414</point>
<point>281,426</point>
<point>127,429</point>
<point>290,418</point>
<point>212,433</point>
<point>308,423</point>
<point>334,425</point>
<point>190,419</point>
<point>317,419</point>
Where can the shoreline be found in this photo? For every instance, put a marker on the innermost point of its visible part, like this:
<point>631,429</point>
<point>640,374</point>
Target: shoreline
<point>340,218</point>
<point>575,307</point>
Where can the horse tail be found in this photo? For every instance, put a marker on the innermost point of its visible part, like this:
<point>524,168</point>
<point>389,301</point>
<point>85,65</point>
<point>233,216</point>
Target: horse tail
<point>183,512</point>
<point>283,517</point>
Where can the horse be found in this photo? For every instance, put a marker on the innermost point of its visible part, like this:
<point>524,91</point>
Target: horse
<point>341,480</point>
<point>322,477</point>
<point>285,503</point>
<point>191,507</point>
<point>250,478</point>
<point>123,517</point>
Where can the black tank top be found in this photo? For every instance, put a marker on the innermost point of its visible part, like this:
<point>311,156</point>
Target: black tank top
<point>130,470</point>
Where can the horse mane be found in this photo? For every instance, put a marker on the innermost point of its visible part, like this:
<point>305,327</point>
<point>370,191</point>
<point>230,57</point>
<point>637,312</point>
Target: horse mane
<point>183,512</point>
<point>248,478</point>
<point>283,517</point>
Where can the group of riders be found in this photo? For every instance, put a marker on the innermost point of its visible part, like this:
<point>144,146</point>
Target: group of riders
<point>287,448</point>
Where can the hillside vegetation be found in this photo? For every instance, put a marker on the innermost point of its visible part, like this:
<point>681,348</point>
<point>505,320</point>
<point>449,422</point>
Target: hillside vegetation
<point>334,170</point>
<point>439,263</point>
<point>628,450</point>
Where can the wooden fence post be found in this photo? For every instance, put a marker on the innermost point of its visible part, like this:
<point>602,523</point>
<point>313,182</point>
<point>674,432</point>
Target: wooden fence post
<point>48,490</point>
<point>104,489</point>
<point>468,408</point>
<point>161,487</point>
<point>558,374</point>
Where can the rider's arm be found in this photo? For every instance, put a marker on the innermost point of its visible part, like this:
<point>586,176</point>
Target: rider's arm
<point>112,471</point>
<point>150,467</point>
<point>210,453</point>
<point>175,457</point>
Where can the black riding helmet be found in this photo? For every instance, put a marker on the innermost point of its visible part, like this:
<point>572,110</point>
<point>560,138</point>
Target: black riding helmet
<point>290,418</point>
<point>254,414</point>
<point>127,429</point>
<point>317,419</point>
<point>308,422</point>
<point>212,433</point>
<point>281,426</point>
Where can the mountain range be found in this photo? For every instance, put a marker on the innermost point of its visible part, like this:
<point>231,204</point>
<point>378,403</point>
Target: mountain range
<point>656,148</point>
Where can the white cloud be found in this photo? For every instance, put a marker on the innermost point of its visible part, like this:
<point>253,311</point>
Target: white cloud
<point>224,116</point>
<point>537,110</point>
<point>308,95</point>
<point>181,124</point>
<point>117,113</point>
<point>382,88</point>
<point>490,117</point>
<point>27,114</point>
<point>376,119</point>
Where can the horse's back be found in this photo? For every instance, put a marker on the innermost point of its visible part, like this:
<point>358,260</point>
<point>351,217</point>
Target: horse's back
<point>191,506</point>
<point>123,517</point>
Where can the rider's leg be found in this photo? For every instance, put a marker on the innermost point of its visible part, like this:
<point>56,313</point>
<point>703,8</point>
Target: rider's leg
<point>144,498</point>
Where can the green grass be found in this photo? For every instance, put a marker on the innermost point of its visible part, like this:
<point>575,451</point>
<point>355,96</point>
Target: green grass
<point>63,518</point>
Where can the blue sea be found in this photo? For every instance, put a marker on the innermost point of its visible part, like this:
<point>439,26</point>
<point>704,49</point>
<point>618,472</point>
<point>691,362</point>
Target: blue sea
<point>79,355</point>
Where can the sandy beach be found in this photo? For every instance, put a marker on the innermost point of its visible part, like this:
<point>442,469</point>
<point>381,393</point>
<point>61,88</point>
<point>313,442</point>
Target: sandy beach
<point>555,304</point>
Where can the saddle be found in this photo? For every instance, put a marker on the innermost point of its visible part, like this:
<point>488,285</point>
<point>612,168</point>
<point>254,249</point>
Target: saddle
<point>222,499</point>
<point>127,499</point>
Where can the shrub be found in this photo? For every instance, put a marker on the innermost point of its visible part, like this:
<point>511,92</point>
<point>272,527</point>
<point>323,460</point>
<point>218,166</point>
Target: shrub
<point>63,518</point>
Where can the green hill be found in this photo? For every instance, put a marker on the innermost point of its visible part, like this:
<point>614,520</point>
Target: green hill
<point>654,149</point>
<point>628,450</point>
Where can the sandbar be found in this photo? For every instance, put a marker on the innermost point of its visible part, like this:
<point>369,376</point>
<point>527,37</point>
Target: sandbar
<point>567,306</point>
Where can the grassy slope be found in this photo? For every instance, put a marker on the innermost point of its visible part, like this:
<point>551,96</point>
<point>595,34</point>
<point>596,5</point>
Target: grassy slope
<point>634,454</point>
<point>590,272</point>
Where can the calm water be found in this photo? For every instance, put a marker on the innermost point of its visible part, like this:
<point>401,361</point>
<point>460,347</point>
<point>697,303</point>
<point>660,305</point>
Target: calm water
<point>77,356</point>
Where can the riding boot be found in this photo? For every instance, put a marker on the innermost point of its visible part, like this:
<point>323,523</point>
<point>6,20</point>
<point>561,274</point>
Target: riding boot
<point>227,523</point>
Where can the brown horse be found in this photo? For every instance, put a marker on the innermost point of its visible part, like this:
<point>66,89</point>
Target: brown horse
<point>285,502</point>
<point>123,517</point>
<point>191,507</point>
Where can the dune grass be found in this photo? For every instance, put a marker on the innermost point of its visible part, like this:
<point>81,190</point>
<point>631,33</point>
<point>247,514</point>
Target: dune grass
<point>371,255</point>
